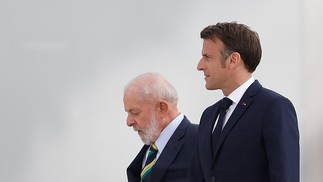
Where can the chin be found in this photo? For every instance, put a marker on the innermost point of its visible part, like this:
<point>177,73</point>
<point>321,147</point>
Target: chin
<point>210,88</point>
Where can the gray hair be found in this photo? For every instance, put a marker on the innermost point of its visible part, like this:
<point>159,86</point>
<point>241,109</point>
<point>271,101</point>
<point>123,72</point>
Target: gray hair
<point>153,86</point>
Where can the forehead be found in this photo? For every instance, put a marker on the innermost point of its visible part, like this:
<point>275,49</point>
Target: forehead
<point>212,45</point>
<point>133,100</point>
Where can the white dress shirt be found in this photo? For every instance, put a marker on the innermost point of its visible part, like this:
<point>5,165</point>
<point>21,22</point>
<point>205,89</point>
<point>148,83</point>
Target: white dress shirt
<point>235,96</point>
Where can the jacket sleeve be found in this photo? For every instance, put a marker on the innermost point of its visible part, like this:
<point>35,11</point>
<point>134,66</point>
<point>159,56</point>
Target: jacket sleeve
<point>195,173</point>
<point>281,139</point>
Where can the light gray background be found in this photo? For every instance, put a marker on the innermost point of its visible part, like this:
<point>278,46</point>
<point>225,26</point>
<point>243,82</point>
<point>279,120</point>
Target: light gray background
<point>64,63</point>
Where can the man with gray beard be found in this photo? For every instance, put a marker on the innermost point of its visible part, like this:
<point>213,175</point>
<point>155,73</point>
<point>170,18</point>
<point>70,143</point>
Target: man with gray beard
<point>151,104</point>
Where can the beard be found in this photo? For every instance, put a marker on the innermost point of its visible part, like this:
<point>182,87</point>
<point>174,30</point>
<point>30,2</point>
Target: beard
<point>148,134</point>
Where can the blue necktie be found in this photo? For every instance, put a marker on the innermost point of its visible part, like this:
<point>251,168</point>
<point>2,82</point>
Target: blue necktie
<point>225,104</point>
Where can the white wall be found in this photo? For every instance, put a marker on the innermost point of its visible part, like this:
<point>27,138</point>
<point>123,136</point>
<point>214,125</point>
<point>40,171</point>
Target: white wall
<point>64,63</point>
<point>312,86</point>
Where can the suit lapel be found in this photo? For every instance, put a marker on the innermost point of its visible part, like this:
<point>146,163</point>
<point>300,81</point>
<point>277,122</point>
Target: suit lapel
<point>205,137</point>
<point>170,152</point>
<point>134,169</point>
<point>242,106</point>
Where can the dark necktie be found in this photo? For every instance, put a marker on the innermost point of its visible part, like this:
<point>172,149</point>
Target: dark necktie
<point>225,104</point>
<point>151,159</point>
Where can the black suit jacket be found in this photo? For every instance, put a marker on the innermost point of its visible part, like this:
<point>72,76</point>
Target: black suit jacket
<point>259,143</point>
<point>174,161</point>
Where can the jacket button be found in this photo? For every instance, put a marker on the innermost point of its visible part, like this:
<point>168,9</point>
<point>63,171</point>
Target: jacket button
<point>213,178</point>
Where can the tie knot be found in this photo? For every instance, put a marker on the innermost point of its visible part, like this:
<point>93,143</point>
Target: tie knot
<point>153,149</point>
<point>226,103</point>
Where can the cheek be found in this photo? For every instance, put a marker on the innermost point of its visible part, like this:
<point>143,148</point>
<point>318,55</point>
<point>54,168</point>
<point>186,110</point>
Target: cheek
<point>142,121</point>
<point>214,72</point>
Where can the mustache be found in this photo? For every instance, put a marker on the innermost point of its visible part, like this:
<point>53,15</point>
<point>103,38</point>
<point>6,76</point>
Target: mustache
<point>135,128</point>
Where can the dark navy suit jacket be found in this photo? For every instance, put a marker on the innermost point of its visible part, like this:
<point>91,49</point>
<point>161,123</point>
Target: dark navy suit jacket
<point>259,143</point>
<point>174,161</point>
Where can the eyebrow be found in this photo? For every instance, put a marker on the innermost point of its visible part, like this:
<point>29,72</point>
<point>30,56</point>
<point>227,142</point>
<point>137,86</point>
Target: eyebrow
<point>206,55</point>
<point>132,110</point>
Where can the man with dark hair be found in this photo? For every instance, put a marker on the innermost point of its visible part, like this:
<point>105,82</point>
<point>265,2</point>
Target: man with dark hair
<point>251,135</point>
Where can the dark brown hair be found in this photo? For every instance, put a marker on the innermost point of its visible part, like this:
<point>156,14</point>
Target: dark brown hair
<point>236,38</point>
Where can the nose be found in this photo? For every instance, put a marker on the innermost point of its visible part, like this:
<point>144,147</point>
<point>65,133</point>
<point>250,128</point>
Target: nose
<point>200,65</point>
<point>130,121</point>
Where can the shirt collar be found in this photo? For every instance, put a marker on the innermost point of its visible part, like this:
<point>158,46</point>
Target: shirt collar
<point>237,94</point>
<point>167,133</point>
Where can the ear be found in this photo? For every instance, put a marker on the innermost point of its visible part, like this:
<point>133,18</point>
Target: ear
<point>162,107</point>
<point>234,59</point>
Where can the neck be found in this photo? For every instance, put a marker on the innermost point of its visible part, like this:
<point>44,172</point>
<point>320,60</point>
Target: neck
<point>236,82</point>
